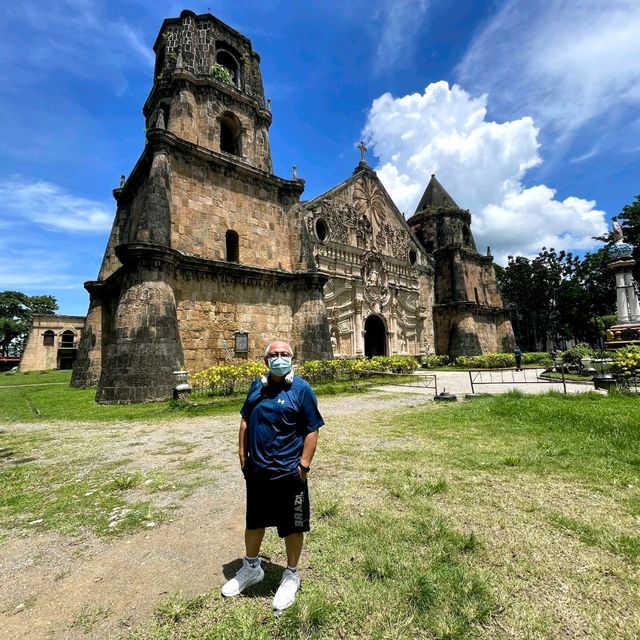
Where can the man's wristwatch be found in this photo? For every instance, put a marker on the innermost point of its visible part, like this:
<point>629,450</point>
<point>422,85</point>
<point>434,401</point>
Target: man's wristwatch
<point>305,469</point>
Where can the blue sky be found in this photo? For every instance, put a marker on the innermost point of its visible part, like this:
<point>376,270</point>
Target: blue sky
<point>526,110</point>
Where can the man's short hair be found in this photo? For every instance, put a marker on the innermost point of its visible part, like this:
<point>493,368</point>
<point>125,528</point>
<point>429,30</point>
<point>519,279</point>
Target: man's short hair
<point>267,349</point>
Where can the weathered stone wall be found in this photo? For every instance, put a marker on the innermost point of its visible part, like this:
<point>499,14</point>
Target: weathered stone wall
<point>207,203</point>
<point>480,281</point>
<point>471,331</point>
<point>505,340</point>
<point>195,112</point>
<point>39,357</point>
<point>197,38</point>
<point>86,369</point>
<point>442,227</point>
<point>211,310</point>
<point>143,346</point>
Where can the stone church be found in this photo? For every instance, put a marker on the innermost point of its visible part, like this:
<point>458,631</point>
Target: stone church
<point>211,255</point>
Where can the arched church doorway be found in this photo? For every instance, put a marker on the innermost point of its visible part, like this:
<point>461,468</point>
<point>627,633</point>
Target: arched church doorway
<point>375,337</point>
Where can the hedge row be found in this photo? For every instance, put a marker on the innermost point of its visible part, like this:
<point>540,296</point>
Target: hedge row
<point>226,379</point>
<point>231,378</point>
<point>502,360</point>
<point>486,361</point>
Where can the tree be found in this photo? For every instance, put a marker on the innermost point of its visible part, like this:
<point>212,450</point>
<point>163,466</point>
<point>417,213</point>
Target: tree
<point>16,312</point>
<point>557,295</point>
<point>533,288</point>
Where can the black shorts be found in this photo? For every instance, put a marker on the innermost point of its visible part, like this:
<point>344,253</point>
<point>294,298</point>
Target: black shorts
<point>282,503</point>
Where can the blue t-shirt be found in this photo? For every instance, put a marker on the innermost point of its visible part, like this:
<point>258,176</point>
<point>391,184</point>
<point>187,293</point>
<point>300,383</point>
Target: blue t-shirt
<point>279,417</point>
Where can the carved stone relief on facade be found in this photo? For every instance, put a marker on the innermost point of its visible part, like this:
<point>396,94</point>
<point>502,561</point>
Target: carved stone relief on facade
<point>370,203</point>
<point>376,283</point>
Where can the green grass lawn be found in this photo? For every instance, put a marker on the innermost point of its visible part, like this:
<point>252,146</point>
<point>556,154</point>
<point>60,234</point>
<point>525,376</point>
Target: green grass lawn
<point>42,396</point>
<point>34,377</point>
<point>508,517</point>
<point>554,375</point>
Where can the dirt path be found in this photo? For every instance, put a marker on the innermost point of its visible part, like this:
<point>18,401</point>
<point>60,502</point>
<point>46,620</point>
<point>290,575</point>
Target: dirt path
<point>51,584</point>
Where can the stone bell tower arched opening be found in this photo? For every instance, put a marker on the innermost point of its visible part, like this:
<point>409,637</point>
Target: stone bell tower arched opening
<point>375,337</point>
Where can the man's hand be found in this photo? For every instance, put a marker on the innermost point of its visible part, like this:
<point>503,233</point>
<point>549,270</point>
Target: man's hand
<point>242,443</point>
<point>303,473</point>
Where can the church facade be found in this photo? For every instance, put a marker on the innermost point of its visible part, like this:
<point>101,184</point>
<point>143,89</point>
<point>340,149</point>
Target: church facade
<point>211,255</point>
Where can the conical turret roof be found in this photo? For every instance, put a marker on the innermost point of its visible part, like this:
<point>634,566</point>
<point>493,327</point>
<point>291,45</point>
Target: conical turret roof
<point>435,195</point>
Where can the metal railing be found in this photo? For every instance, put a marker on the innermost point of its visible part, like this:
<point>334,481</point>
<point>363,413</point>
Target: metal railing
<point>513,377</point>
<point>416,381</point>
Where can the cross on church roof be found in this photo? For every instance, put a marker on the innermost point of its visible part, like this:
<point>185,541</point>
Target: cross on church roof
<point>363,151</point>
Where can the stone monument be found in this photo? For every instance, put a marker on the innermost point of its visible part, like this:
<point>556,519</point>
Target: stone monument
<point>627,328</point>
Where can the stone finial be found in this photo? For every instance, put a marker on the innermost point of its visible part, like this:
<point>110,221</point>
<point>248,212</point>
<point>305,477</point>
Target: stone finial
<point>269,104</point>
<point>122,181</point>
<point>363,152</point>
<point>488,251</point>
<point>295,175</point>
<point>618,235</point>
<point>160,124</point>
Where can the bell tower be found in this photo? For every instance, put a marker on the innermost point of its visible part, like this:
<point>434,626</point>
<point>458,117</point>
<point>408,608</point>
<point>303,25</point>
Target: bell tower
<point>208,89</point>
<point>203,262</point>
<point>469,315</point>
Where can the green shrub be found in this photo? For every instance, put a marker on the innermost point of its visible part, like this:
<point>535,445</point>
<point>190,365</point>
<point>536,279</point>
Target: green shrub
<point>626,361</point>
<point>502,360</point>
<point>537,357</point>
<point>575,354</point>
<point>433,361</point>
<point>220,72</point>
<point>231,378</point>
<point>486,361</point>
<point>225,379</point>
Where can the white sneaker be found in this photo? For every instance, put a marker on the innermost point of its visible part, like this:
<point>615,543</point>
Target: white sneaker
<point>286,593</point>
<point>247,576</point>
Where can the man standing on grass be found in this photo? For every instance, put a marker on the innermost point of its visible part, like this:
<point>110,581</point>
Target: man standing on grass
<point>277,440</point>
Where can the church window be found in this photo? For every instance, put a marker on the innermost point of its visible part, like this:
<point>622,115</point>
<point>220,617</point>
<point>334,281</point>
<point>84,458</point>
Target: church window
<point>229,62</point>
<point>230,134</point>
<point>159,65</point>
<point>232,246</point>
<point>413,257</point>
<point>466,236</point>
<point>48,339</point>
<point>429,246</point>
<point>321,229</point>
<point>67,339</point>
<point>475,291</point>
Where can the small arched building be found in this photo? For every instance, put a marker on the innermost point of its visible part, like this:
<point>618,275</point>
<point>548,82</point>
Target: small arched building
<point>211,255</point>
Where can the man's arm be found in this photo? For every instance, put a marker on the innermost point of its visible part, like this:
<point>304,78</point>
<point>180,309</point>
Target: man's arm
<point>243,436</point>
<point>308,449</point>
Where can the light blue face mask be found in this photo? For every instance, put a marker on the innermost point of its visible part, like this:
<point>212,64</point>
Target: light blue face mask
<point>280,365</point>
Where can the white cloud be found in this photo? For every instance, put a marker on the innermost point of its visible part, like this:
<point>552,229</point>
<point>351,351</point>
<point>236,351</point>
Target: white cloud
<point>401,21</point>
<point>566,63</point>
<point>482,165</point>
<point>75,36</point>
<point>52,206</point>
